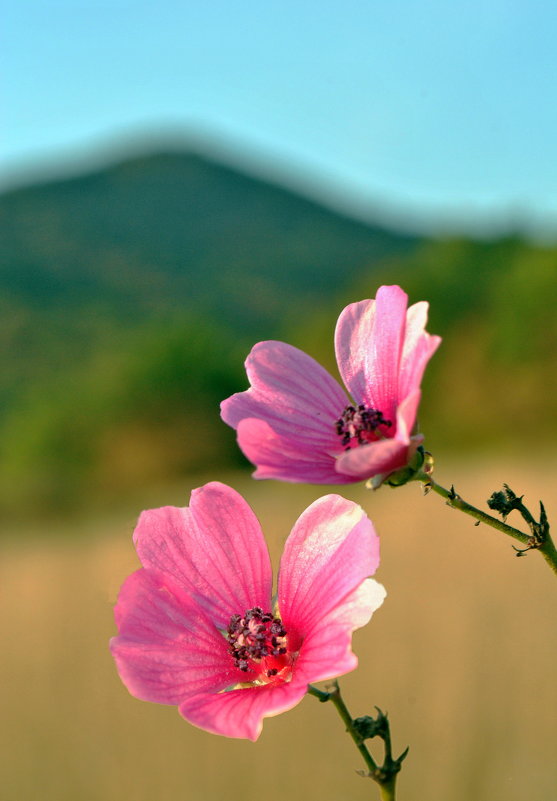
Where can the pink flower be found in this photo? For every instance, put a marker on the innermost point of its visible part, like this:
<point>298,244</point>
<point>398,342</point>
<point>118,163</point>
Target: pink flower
<point>296,423</point>
<point>197,627</point>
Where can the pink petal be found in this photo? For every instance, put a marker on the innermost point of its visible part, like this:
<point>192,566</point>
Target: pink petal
<point>214,548</point>
<point>282,458</point>
<point>369,339</point>
<point>331,550</point>
<point>385,350</point>
<point>167,648</point>
<point>406,415</point>
<point>356,608</point>
<point>418,349</point>
<point>240,713</point>
<point>292,393</point>
<point>326,652</point>
<point>366,461</point>
<point>353,337</point>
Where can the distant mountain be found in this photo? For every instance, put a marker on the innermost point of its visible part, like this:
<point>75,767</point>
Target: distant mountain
<point>174,229</point>
<point>172,258</point>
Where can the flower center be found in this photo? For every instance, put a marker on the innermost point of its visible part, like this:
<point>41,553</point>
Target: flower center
<point>257,643</point>
<point>358,425</point>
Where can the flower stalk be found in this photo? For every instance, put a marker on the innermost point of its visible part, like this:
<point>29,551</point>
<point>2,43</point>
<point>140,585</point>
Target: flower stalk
<point>504,502</point>
<point>361,729</point>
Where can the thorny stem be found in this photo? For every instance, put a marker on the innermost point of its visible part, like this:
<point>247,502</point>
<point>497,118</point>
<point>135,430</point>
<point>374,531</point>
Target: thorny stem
<point>539,538</point>
<point>385,776</point>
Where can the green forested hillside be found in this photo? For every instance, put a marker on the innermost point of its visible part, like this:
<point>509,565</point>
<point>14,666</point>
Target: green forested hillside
<point>130,297</point>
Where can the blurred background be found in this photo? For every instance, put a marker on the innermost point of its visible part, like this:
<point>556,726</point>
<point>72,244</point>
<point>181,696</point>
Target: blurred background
<point>180,181</point>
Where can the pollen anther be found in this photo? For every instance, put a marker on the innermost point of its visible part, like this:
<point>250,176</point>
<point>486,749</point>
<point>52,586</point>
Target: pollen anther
<point>358,425</point>
<point>255,636</point>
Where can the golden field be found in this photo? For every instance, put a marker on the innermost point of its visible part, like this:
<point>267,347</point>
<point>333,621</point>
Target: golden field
<point>462,655</point>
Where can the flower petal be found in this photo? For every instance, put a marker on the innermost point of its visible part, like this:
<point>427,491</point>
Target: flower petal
<point>368,340</point>
<point>406,415</point>
<point>332,548</point>
<point>240,713</point>
<point>292,393</point>
<point>366,461</point>
<point>326,652</point>
<point>385,350</point>
<point>167,648</point>
<point>353,336</point>
<point>214,549</point>
<point>419,347</point>
<point>282,458</point>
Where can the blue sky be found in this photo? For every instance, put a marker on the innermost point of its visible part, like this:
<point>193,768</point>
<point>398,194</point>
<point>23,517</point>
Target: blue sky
<point>444,110</point>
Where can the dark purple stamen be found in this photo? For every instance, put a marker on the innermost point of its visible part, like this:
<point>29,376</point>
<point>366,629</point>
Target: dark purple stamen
<point>359,423</point>
<point>255,636</point>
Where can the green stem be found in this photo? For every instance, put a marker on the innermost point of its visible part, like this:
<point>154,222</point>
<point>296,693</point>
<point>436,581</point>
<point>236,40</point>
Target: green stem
<point>549,553</point>
<point>386,781</point>
<point>387,789</point>
<point>547,548</point>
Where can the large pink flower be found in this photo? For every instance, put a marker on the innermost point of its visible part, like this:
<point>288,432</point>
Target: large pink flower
<point>296,423</point>
<point>197,625</point>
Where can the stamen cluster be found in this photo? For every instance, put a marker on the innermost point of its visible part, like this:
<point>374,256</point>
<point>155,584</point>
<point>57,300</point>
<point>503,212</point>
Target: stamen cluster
<point>254,637</point>
<point>361,424</point>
